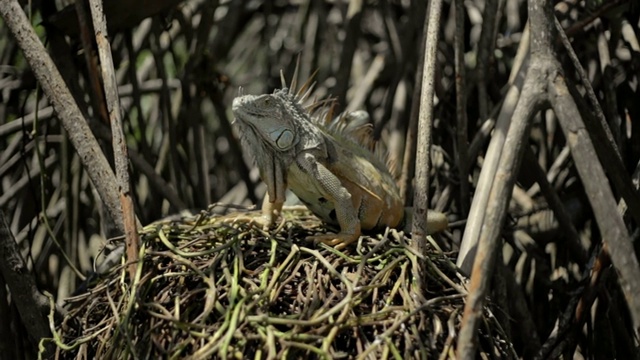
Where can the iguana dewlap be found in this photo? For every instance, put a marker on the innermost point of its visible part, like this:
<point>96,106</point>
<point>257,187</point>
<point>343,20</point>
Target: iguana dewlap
<point>340,181</point>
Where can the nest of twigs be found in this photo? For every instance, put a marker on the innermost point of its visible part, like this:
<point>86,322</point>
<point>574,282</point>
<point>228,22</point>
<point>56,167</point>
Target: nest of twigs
<point>218,287</point>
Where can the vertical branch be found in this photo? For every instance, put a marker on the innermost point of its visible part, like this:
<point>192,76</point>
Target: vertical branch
<point>198,46</point>
<point>354,14</point>
<point>485,182</point>
<point>170,143</point>
<point>461,108</point>
<point>97,93</point>
<point>494,152</point>
<point>485,53</point>
<point>498,201</point>
<point>119,142</point>
<point>408,160</point>
<point>425,122</point>
<point>542,33</point>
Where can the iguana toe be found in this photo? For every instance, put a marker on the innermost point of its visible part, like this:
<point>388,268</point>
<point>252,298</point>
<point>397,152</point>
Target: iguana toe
<point>260,221</point>
<point>339,241</point>
<point>264,222</point>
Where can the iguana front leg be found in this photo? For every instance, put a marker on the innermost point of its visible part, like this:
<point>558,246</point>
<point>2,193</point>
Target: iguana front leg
<point>273,174</point>
<point>270,211</point>
<point>332,190</point>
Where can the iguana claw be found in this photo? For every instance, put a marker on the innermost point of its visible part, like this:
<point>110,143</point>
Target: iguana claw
<point>339,241</point>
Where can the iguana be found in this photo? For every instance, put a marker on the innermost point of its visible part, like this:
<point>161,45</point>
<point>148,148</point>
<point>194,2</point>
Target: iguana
<point>328,166</point>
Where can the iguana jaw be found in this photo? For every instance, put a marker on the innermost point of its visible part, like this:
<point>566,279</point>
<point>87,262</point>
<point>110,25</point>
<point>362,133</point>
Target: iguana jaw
<point>269,136</point>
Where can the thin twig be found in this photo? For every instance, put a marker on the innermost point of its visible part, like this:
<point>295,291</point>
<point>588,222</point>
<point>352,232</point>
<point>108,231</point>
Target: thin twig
<point>119,142</point>
<point>461,110</point>
<point>425,124</point>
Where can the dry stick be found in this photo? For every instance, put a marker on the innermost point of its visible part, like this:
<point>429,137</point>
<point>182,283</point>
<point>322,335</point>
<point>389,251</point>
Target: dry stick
<point>609,89</point>
<point>394,95</point>
<point>559,336</point>
<point>521,313</point>
<point>485,52</point>
<point>461,109</point>
<point>227,29</point>
<point>626,342</point>
<point>167,117</point>
<point>559,163</point>
<point>610,222</point>
<point>521,59</point>
<point>576,250</point>
<point>598,128</point>
<point>10,158</point>
<point>497,204</point>
<point>119,143</point>
<point>27,120</point>
<point>365,86</point>
<point>408,163</point>
<point>606,6</point>
<point>580,310</point>
<point>512,151</point>
<point>65,106</point>
<point>408,160</point>
<point>135,92</point>
<point>11,153</point>
<point>425,122</point>
<point>479,140</point>
<point>487,176</point>
<point>97,92</point>
<point>199,134</point>
<point>32,305</point>
<point>354,15</point>
<point>8,338</point>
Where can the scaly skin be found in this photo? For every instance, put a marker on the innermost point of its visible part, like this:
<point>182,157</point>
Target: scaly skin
<point>339,180</point>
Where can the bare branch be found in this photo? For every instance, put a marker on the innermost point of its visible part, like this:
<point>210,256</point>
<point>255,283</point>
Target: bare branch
<point>119,142</point>
<point>498,200</point>
<point>421,193</point>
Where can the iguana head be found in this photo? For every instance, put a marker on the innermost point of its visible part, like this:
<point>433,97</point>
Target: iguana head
<point>275,129</point>
<point>271,117</point>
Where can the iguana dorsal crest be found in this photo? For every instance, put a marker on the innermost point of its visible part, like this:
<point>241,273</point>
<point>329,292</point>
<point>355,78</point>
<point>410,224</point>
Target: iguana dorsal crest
<point>352,127</point>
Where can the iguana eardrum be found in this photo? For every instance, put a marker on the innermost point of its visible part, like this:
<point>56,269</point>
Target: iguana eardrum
<point>328,166</point>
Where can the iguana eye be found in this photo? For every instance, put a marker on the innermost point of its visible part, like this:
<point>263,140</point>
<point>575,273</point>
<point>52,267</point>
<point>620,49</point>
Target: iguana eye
<point>285,140</point>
